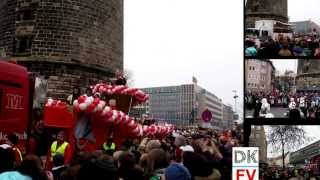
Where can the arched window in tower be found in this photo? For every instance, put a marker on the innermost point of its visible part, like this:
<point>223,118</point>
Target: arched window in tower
<point>25,15</point>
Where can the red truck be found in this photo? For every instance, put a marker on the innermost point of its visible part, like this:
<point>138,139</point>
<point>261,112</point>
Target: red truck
<point>16,92</point>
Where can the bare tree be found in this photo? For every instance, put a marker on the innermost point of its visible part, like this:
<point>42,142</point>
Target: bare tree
<point>287,138</point>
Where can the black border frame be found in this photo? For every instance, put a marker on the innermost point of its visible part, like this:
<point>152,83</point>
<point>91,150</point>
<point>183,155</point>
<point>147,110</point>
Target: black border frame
<point>248,122</point>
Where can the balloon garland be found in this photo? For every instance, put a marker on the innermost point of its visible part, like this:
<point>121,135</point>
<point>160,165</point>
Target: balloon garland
<point>140,96</point>
<point>109,115</point>
<point>105,113</point>
<point>158,130</point>
<point>102,112</point>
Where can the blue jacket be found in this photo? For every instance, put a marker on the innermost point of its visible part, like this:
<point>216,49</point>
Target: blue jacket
<point>13,175</point>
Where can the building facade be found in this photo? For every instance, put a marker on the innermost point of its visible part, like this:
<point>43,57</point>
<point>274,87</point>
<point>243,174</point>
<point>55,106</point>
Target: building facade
<point>259,75</point>
<point>227,117</point>
<point>256,10</point>
<point>207,100</point>
<point>183,104</point>
<point>258,139</point>
<point>286,82</point>
<point>278,161</point>
<point>303,155</point>
<point>69,43</point>
<point>305,27</point>
<point>140,111</point>
<point>308,75</point>
<point>172,103</point>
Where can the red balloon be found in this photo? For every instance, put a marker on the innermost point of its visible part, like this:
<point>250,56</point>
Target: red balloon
<point>81,99</point>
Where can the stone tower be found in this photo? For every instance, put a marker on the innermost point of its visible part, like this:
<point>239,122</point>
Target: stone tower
<point>71,42</point>
<point>258,139</point>
<point>265,9</point>
<point>308,75</point>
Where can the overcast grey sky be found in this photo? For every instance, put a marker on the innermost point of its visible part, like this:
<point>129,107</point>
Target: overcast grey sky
<point>312,132</point>
<point>166,42</point>
<point>301,10</point>
<point>285,64</point>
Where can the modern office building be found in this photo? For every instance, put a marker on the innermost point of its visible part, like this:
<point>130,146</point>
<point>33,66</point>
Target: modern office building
<point>227,117</point>
<point>184,104</point>
<point>140,111</point>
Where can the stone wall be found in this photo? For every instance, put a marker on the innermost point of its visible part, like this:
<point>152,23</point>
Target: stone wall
<point>62,78</point>
<point>265,10</point>
<point>73,42</point>
<point>7,26</point>
<point>308,75</point>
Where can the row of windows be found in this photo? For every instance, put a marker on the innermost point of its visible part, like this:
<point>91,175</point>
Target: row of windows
<point>161,90</point>
<point>211,96</point>
<point>263,78</point>
<point>214,104</point>
<point>173,116</point>
<point>216,111</point>
<point>185,89</point>
<point>252,68</point>
<point>216,114</point>
<point>255,85</point>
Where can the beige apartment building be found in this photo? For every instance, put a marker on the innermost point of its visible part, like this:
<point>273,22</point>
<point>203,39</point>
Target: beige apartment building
<point>259,75</point>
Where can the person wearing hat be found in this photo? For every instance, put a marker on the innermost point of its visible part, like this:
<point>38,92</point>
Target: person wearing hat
<point>177,172</point>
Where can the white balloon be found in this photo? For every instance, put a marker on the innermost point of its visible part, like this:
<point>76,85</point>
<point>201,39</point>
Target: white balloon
<point>121,114</point>
<point>83,106</point>
<point>90,99</point>
<point>106,110</point>
<point>131,123</point>
<point>75,103</point>
<point>115,113</point>
<point>103,103</point>
<point>99,107</point>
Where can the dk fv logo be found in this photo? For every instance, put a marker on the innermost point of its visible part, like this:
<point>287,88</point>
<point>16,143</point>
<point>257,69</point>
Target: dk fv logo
<point>245,163</point>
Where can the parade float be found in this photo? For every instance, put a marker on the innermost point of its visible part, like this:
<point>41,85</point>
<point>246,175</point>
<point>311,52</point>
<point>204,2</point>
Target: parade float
<point>87,123</point>
<point>101,116</point>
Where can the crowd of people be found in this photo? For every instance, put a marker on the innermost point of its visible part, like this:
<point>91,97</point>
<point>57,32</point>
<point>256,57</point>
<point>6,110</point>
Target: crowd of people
<point>288,174</point>
<point>283,46</point>
<point>307,102</point>
<point>187,154</point>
